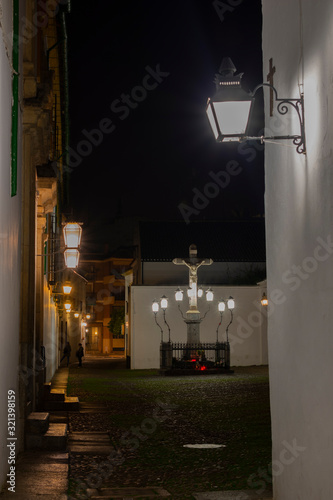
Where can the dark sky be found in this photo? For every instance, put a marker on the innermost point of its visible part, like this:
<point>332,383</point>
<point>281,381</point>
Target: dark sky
<point>161,147</point>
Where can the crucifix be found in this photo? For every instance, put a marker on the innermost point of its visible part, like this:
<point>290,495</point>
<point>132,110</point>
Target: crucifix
<point>270,79</point>
<point>193,314</point>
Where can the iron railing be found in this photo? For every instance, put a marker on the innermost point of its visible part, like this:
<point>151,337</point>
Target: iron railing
<point>201,356</point>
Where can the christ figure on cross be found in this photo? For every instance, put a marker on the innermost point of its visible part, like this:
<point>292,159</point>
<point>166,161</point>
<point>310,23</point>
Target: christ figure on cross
<point>193,263</point>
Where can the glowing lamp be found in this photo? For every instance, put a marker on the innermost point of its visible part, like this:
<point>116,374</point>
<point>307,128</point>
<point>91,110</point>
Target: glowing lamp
<point>76,315</point>
<point>209,295</point>
<point>67,288</point>
<point>264,300</point>
<point>67,306</point>
<point>164,302</point>
<point>200,292</point>
<point>71,258</point>
<point>155,306</point>
<point>221,306</point>
<point>88,316</point>
<point>179,294</point>
<point>229,110</point>
<point>84,323</point>
<point>231,303</point>
<point>72,234</point>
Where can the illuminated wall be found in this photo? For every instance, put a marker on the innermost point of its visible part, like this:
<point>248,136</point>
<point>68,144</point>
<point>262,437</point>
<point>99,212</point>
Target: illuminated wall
<point>299,215</point>
<point>247,333</point>
<point>10,251</point>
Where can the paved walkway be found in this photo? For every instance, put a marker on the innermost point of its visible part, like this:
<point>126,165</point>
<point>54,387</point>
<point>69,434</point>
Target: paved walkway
<point>44,474</point>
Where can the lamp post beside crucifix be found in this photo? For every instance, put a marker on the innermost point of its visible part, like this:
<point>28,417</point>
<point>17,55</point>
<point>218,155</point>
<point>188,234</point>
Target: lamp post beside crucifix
<point>193,314</point>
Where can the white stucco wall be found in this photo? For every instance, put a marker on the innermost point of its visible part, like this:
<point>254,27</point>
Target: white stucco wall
<point>247,333</point>
<point>10,226</point>
<point>299,216</point>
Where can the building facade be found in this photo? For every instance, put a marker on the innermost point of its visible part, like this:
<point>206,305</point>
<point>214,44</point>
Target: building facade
<point>297,43</point>
<point>10,229</point>
<point>105,299</point>
<point>32,199</point>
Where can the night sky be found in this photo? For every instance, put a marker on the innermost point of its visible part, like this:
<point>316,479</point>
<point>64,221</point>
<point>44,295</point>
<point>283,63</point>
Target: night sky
<point>142,72</point>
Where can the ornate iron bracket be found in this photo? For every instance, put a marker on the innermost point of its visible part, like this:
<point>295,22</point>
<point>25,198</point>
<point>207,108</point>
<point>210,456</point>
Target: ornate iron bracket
<point>283,106</point>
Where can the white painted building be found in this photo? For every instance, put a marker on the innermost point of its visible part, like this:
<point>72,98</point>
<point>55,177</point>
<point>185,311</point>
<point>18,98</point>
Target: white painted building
<point>298,36</point>
<point>247,333</point>
<point>10,241</point>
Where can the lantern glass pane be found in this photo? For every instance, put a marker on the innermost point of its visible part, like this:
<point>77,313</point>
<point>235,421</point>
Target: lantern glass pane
<point>155,307</point>
<point>71,258</point>
<point>212,120</point>
<point>67,289</point>
<point>179,295</point>
<point>232,117</point>
<point>231,303</point>
<point>72,234</point>
<point>264,300</point>
<point>221,306</point>
<point>164,302</point>
<point>200,292</point>
<point>209,296</point>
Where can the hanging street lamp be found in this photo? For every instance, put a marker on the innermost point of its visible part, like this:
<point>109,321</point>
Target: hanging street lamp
<point>229,111</point>
<point>67,288</point>
<point>71,257</point>
<point>264,300</point>
<point>72,232</point>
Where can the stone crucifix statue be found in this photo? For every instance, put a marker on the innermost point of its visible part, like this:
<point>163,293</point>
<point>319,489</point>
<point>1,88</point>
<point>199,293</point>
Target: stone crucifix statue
<point>193,314</point>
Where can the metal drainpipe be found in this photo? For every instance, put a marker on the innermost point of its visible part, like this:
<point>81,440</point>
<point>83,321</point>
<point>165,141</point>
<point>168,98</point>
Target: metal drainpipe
<point>15,89</point>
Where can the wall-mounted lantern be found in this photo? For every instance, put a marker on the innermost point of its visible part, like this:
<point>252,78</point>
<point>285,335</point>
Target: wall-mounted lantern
<point>67,288</point>
<point>72,236</point>
<point>229,111</point>
<point>264,300</point>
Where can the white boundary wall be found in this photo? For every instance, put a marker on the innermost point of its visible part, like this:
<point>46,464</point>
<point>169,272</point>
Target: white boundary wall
<point>247,333</point>
<point>299,231</point>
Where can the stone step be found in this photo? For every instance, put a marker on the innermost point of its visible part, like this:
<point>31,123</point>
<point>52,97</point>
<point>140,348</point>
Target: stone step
<point>59,417</point>
<point>233,495</point>
<point>55,438</point>
<point>131,493</point>
<point>56,395</point>
<point>90,443</point>
<point>37,423</point>
<point>71,403</point>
